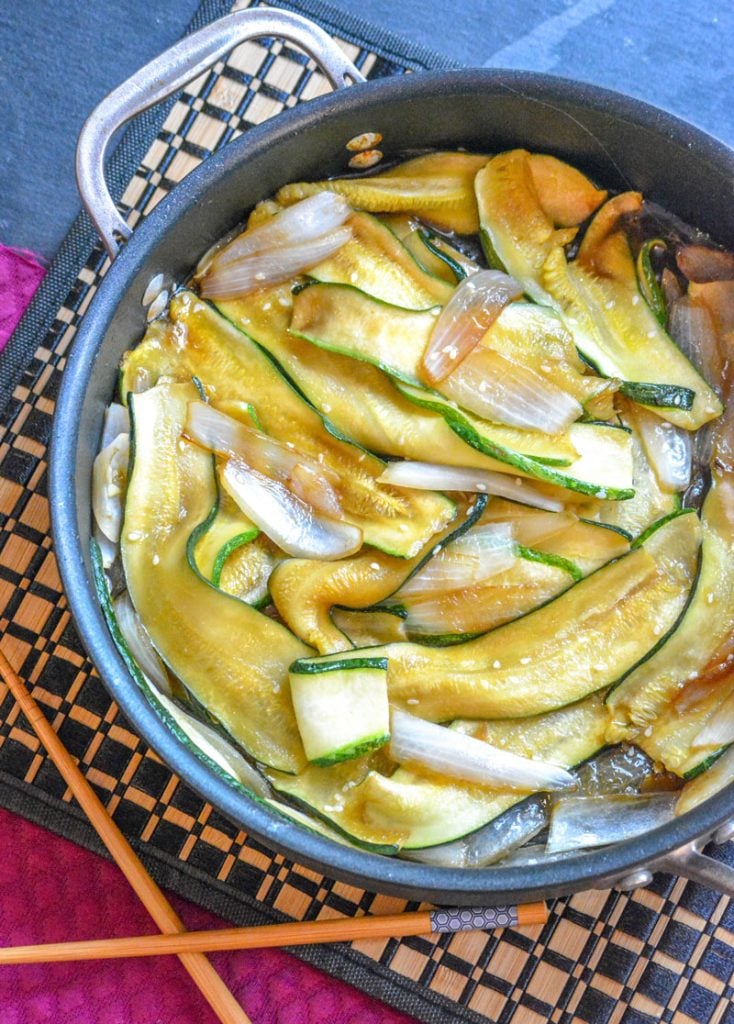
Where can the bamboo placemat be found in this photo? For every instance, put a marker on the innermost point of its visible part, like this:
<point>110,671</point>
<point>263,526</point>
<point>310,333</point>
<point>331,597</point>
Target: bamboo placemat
<point>664,953</point>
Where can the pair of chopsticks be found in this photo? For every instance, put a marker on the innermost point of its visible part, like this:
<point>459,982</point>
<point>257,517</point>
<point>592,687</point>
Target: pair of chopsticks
<point>190,947</point>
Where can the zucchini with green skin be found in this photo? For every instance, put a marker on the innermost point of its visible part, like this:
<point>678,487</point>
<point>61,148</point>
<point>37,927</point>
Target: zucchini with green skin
<point>644,694</point>
<point>415,810</point>
<point>243,683</point>
<point>343,711</point>
<point>305,590</point>
<point>377,262</point>
<point>214,540</point>
<point>602,467</point>
<point>597,293</point>
<point>203,344</point>
<point>584,640</point>
<point>383,421</point>
<point>437,187</point>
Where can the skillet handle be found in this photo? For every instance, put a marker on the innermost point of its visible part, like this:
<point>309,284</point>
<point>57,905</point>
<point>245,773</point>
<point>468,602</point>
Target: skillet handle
<point>168,73</point>
<point>691,863</point>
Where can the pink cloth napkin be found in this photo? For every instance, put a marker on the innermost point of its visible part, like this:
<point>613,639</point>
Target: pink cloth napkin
<point>20,275</point>
<point>52,890</point>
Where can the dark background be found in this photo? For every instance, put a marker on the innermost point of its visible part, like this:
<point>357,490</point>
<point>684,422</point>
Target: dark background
<point>59,57</point>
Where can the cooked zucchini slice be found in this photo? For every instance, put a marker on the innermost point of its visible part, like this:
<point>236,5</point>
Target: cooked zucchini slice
<point>383,421</point>
<point>586,639</point>
<point>305,590</point>
<point>416,810</point>
<point>201,343</point>
<point>645,693</point>
<point>233,660</point>
<point>377,262</point>
<point>602,467</point>
<point>597,293</point>
<point>437,187</point>
<point>342,712</point>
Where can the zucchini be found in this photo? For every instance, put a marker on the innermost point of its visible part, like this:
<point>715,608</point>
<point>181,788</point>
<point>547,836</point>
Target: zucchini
<point>586,639</point>
<point>343,711</point>
<point>671,738</point>
<point>305,590</point>
<point>613,326</point>
<point>602,467</point>
<point>437,187</point>
<point>207,743</point>
<point>597,293</point>
<point>246,571</point>
<point>171,490</point>
<point>417,810</point>
<point>377,262</point>
<point>369,628</point>
<point>709,619</point>
<point>530,582</point>
<point>203,344</point>
<point>325,794</point>
<point>222,532</point>
<point>383,421</point>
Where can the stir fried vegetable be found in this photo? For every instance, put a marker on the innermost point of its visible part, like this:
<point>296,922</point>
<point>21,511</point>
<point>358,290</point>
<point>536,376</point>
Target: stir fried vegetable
<point>408,539</point>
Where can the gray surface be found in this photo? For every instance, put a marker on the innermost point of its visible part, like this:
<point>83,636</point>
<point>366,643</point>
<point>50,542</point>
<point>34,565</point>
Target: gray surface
<point>57,59</point>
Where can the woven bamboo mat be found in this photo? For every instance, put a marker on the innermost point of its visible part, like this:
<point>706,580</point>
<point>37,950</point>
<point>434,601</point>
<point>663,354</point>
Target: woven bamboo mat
<point>664,953</point>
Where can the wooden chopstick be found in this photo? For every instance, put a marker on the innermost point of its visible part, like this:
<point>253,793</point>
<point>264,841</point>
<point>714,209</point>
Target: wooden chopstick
<point>212,987</point>
<point>296,934</point>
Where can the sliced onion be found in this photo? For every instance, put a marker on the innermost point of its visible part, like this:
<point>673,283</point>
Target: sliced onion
<point>292,524</point>
<point>216,748</point>
<point>139,644</point>
<point>494,387</point>
<point>467,562</point>
<point>668,450</point>
<point>489,844</point>
<point>465,319</point>
<point>578,822</point>
<point>305,221</point>
<point>622,769</point>
<point>107,549</point>
<point>116,421</point>
<point>305,477</point>
<point>109,481</point>
<point>703,263</point>
<point>251,272</point>
<point>538,526</point>
<point>452,753</point>
<point>431,476</point>
<point>691,326</point>
<point>719,729</point>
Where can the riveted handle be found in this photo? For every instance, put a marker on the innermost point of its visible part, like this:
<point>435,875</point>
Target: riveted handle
<point>168,73</point>
<point>689,862</point>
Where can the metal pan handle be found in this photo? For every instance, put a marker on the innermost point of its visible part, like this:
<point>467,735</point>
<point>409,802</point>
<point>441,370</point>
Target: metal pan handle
<point>168,73</point>
<point>691,863</point>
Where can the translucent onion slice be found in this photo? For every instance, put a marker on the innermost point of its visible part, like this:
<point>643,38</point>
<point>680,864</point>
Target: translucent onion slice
<point>251,272</point>
<point>468,561</point>
<point>139,643</point>
<point>431,476</point>
<point>306,478</point>
<point>465,319</point>
<point>578,822</point>
<point>497,389</point>
<point>534,527</point>
<point>702,263</point>
<point>310,219</point>
<point>216,748</point>
<point>692,327</point>
<point>109,481</point>
<point>452,753</point>
<point>116,421</point>
<point>487,845</point>
<point>668,450</point>
<point>719,729</point>
<point>292,524</point>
